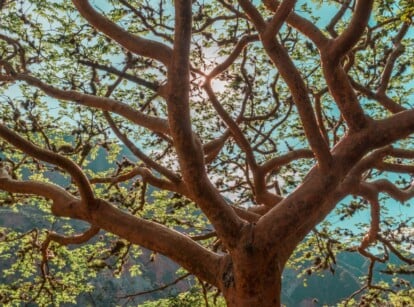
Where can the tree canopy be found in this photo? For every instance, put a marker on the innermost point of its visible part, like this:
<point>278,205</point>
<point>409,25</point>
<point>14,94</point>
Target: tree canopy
<point>218,133</point>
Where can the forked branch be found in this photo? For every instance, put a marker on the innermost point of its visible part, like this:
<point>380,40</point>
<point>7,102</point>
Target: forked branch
<point>155,124</point>
<point>351,35</point>
<point>148,234</point>
<point>71,167</point>
<point>189,149</point>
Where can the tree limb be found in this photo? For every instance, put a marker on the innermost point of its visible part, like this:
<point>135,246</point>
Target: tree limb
<point>107,104</point>
<point>294,81</point>
<point>306,27</point>
<point>189,149</point>
<point>151,235</point>
<point>370,193</point>
<point>133,43</point>
<point>393,56</point>
<point>282,12</point>
<point>71,167</point>
<point>343,93</point>
<point>382,99</point>
<point>349,37</point>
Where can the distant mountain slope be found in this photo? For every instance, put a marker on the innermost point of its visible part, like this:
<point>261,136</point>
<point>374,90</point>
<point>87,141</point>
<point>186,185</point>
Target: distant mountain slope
<point>330,288</point>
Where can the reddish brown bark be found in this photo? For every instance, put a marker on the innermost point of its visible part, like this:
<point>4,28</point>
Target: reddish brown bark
<point>255,243</point>
<point>251,276</point>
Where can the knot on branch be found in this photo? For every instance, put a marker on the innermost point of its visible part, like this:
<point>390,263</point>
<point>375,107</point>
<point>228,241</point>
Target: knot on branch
<point>368,239</point>
<point>7,72</point>
<point>228,276</point>
<point>5,171</point>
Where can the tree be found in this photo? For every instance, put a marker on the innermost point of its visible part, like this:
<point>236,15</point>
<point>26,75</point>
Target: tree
<point>251,114</point>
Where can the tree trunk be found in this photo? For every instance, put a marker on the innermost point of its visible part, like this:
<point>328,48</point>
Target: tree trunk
<point>251,282</point>
<point>268,296</point>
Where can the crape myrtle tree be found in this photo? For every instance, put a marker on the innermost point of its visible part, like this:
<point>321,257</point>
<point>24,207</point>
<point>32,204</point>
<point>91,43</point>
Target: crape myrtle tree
<point>246,124</point>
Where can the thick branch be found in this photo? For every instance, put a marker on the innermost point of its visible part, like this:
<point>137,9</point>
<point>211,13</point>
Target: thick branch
<point>393,128</point>
<point>151,235</point>
<point>309,204</point>
<point>395,168</point>
<point>282,12</point>
<point>188,146</point>
<point>46,190</point>
<point>402,153</point>
<point>350,36</point>
<point>196,259</point>
<point>306,27</point>
<point>134,43</point>
<point>343,93</point>
<point>71,167</point>
<point>366,163</point>
<point>107,104</point>
<point>302,101</point>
